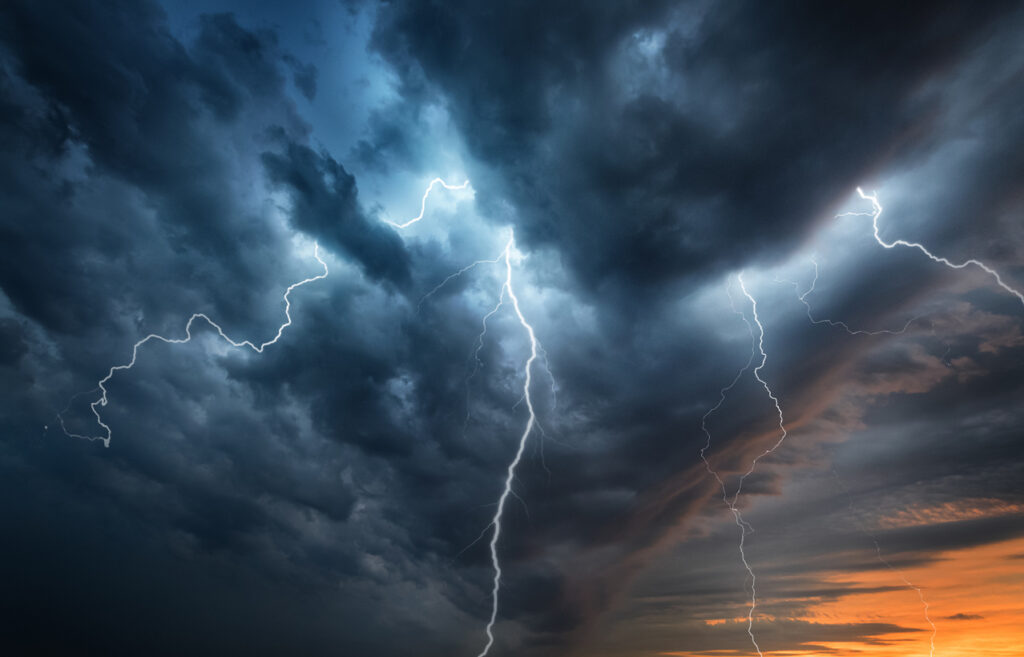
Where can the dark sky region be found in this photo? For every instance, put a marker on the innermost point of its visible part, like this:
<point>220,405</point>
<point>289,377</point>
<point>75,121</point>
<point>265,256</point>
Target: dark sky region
<point>323,497</point>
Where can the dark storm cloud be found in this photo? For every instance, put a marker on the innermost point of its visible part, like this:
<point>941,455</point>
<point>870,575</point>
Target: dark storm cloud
<point>303,75</point>
<point>326,205</point>
<point>390,142</point>
<point>128,168</point>
<point>761,116</point>
<point>127,113</point>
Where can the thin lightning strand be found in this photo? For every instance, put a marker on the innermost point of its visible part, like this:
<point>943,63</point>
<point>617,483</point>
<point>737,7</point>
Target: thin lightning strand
<point>877,212</point>
<point>874,539</point>
<point>846,327</point>
<point>475,354</point>
<point>764,384</point>
<point>757,348</point>
<point>888,564</point>
<point>452,277</point>
<point>743,525</point>
<point>754,461</point>
<point>103,400</point>
<point>917,589</point>
<point>423,203</point>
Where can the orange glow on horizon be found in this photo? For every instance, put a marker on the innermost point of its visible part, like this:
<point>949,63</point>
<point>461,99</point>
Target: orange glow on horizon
<point>975,597</point>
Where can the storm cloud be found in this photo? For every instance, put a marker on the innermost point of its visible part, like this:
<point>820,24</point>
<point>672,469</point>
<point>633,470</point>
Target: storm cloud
<point>328,495</point>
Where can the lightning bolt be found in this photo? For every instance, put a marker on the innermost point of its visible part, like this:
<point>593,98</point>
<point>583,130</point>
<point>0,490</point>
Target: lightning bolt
<point>744,527</point>
<point>506,294</point>
<point>258,348</point>
<point>507,289</point>
<point>101,385</point>
<point>757,349</point>
<point>423,203</point>
<point>877,212</point>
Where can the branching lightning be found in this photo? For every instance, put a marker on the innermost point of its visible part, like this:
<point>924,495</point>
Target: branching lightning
<point>877,212</point>
<point>258,348</point>
<point>744,527</point>
<point>802,296</point>
<point>508,289</point>
<point>101,385</point>
<point>757,349</point>
<point>507,293</point>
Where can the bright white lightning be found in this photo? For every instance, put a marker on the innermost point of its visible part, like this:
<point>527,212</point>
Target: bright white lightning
<point>508,289</point>
<point>423,203</point>
<point>877,212</point>
<point>757,348</point>
<point>258,348</point>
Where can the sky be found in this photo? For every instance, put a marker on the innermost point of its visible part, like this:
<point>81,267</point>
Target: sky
<point>756,418</point>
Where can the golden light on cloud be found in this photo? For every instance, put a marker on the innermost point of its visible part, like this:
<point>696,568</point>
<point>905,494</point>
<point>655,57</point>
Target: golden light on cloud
<point>975,598</point>
<point>952,511</point>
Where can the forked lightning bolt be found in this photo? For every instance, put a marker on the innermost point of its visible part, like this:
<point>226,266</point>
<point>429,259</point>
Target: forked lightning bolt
<point>103,399</point>
<point>508,289</point>
<point>737,515</point>
<point>877,212</point>
<point>258,348</point>
<point>507,292</point>
<point>757,349</point>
